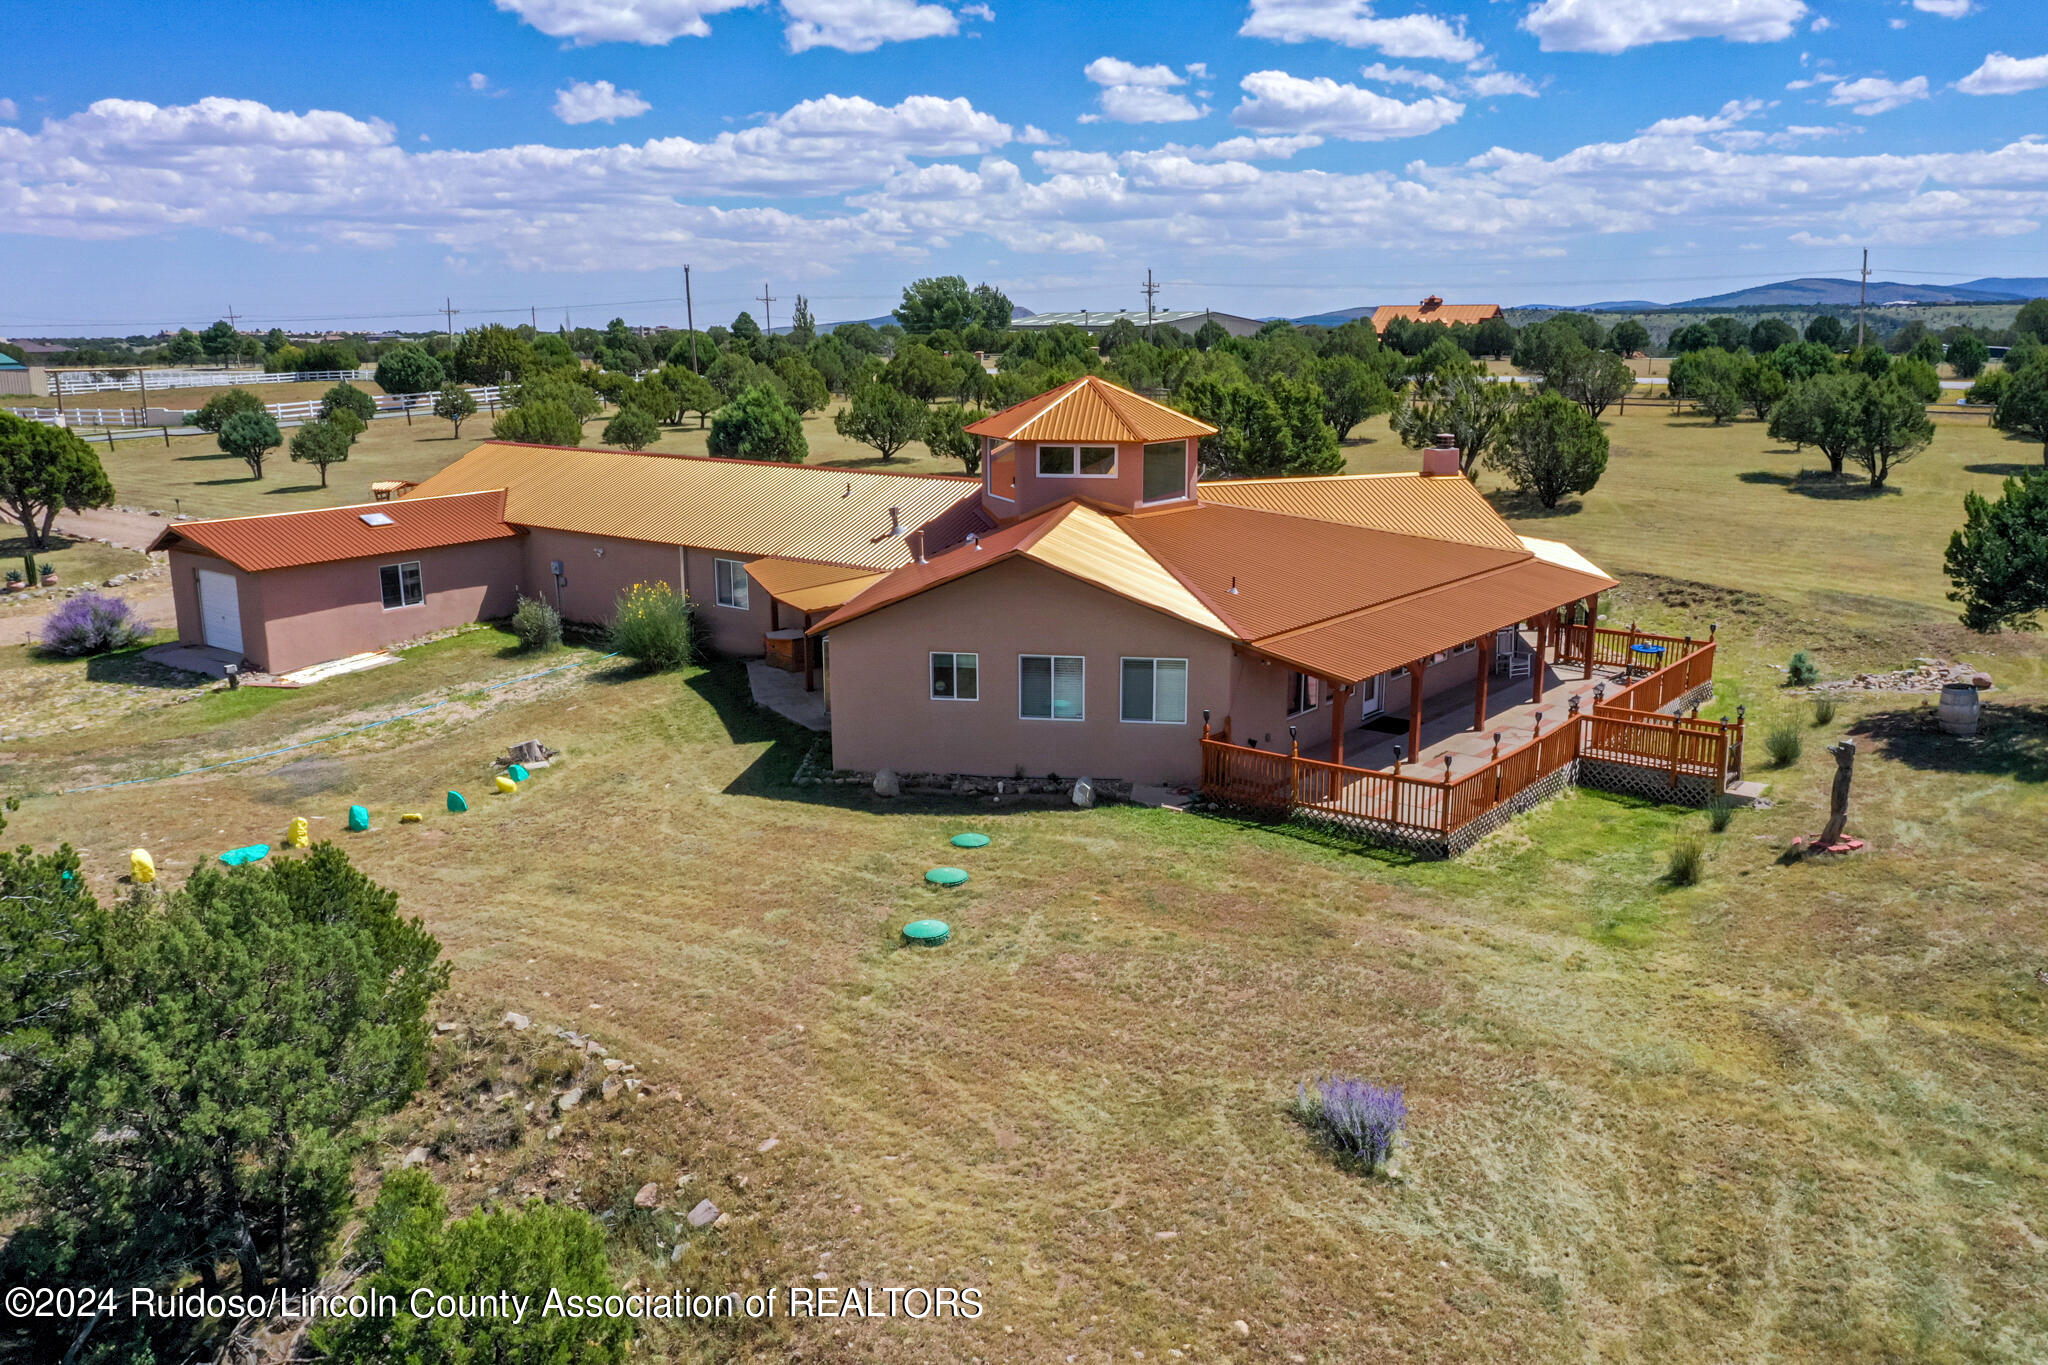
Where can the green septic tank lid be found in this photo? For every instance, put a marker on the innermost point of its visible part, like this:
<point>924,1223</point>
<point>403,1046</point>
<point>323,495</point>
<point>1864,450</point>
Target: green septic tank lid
<point>927,933</point>
<point>945,876</point>
<point>970,841</point>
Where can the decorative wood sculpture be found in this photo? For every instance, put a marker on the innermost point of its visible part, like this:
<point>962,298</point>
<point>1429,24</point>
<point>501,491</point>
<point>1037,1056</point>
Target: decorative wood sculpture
<point>1838,798</point>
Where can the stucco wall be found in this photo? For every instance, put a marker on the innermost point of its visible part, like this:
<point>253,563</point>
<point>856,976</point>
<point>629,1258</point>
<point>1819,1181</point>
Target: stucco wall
<point>883,714</point>
<point>295,617</point>
<point>729,630</point>
<point>1258,702</point>
<point>595,579</point>
<point>1125,487</point>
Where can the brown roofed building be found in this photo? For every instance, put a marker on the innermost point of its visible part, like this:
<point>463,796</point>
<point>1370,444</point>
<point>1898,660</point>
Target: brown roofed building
<point>1078,608</point>
<point>1434,309</point>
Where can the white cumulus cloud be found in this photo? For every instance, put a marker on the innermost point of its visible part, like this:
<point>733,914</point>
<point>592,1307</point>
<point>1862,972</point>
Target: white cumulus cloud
<point>2003,75</point>
<point>1618,25</point>
<point>597,102</point>
<point>864,25</point>
<point>1140,94</point>
<point>1947,9</point>
<point>8,112</point>
<point>1353,23</point>
<point>1280,103</point>
<point>652,22</point>
<point>1876,95</point>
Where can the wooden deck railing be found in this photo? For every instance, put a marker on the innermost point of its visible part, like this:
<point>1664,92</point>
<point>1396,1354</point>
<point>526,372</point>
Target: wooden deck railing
<point>1628,729</point>
<point>1655,691</point>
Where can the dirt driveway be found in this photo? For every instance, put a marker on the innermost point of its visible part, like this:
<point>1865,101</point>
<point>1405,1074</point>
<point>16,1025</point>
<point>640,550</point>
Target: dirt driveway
<point>150,597</point>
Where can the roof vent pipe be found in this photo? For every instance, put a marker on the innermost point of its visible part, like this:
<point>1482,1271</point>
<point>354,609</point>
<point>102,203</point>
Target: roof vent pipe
<point>916,542</point>
<point>1233,584</point>
<point>895,521</point>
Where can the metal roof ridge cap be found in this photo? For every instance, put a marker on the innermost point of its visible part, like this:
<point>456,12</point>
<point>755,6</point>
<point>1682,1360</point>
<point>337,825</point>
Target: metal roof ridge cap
<point>1376,530</point>
<point>701,459</point>
<point>344,507</point>
<point>1293,631</point>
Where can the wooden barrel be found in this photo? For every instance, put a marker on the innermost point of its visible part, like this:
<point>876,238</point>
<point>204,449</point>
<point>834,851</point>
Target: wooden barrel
<point>1960,709</point>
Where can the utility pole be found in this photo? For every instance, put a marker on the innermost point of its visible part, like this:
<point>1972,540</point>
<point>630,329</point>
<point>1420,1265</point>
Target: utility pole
<point>690,317</point>
<point>231,315</point>
<point>1150,290</point>
<point>1863,298</point>
<point>449,310</point>
<point>767,315</point>
<point>533,318</point>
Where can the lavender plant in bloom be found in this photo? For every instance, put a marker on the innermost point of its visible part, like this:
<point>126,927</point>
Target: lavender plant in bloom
<point>92,623</point>
<point>1353,1115</point>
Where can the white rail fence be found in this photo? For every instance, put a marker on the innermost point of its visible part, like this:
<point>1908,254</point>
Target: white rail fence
<point>115,380</point>
<point>488,398</point>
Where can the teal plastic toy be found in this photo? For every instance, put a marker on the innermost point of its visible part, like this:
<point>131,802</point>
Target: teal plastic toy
<point>517,772</point>
<point>248,853</point>
<point>456,802</point>
<point>358,818</point>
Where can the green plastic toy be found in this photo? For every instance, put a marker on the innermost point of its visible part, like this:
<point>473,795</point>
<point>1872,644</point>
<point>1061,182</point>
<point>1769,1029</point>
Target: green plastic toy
<point>456,802</point>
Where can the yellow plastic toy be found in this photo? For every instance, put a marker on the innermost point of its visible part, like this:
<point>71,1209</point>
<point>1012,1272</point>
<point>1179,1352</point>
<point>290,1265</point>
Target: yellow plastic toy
<point>298,835</point>
<point>411,817</point>
<point>141,867</point>
<point>507,785</point>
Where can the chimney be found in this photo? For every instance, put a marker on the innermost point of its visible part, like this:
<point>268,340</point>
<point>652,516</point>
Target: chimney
<point>1443,457</point>
<point>916,542</point>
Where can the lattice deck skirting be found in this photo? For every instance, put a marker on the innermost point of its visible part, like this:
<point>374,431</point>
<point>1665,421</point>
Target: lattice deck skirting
<point>1693,789</point>
<point>1472,831</point>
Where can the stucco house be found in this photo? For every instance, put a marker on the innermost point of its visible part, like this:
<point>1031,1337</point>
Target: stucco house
<point>763,549</point>
<point>1085,605</point>
<point>1118,600</point>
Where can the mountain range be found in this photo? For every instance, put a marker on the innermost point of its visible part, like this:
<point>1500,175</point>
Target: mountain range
<point>1803,293</point>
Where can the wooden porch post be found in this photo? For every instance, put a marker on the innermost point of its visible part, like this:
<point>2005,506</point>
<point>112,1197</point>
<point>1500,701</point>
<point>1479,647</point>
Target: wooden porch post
<point>774,614</point>
<point>1486,644</point>
<point>1340,702</point>
<point>1415,671</point>
<point>1592,633</point>
<point>1536,670</point>
<point>810,657</point>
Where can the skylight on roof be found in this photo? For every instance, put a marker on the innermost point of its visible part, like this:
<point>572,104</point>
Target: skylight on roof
<point>376,519</point>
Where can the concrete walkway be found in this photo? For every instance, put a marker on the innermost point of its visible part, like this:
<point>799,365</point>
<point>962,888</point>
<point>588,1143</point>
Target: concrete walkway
<point>783,693</point>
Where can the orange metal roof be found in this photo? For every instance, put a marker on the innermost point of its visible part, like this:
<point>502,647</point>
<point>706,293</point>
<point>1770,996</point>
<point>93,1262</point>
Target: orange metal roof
<point>1074,540</point>
<point>748,507</point>
<point>1290,572</point>
<point>1368,642</point>
<point>810,587</point>
<point>283,540</point>
<point>1331,597</point>
<point>1090,409</point>
<point>1450,314</point>
<point>1441,507</point>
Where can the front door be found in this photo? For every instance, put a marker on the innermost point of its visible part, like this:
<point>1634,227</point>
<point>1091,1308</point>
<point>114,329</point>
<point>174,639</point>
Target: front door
<point>220,611</point>
<point>1369,696</point>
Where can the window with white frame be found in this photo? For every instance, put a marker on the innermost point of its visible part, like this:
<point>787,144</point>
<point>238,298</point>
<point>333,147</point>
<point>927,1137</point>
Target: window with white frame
<point>1304,693</point>
<point>731,587</point>
<point>1050,686</point>
<point>1166,470</point>
<point>956,677</point>
<point>1071,462</point>
<point>1155,691</point>
<point>402,586</point>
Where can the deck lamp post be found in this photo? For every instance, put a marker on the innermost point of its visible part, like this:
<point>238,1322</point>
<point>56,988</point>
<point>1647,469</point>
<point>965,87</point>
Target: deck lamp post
<point>1398,752</point>
<point>1539,725</point>
<point>1447,769</point>
<point>1496,746</point>
<point>1599,693</point>
<point>1571,710</point>
<point>1294,741</point>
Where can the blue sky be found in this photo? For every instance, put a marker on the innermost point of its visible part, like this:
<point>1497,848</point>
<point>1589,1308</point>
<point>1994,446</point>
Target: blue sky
<point>315,163</point>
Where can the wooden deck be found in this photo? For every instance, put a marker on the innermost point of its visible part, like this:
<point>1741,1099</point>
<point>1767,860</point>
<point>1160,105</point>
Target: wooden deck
<point>1635,732</point>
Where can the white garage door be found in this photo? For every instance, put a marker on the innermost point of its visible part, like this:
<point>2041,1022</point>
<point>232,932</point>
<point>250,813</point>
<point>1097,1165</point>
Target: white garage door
<point>220,610</point>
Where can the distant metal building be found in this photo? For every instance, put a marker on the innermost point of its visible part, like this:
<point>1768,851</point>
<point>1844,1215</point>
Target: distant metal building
<point>1188,320</point>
